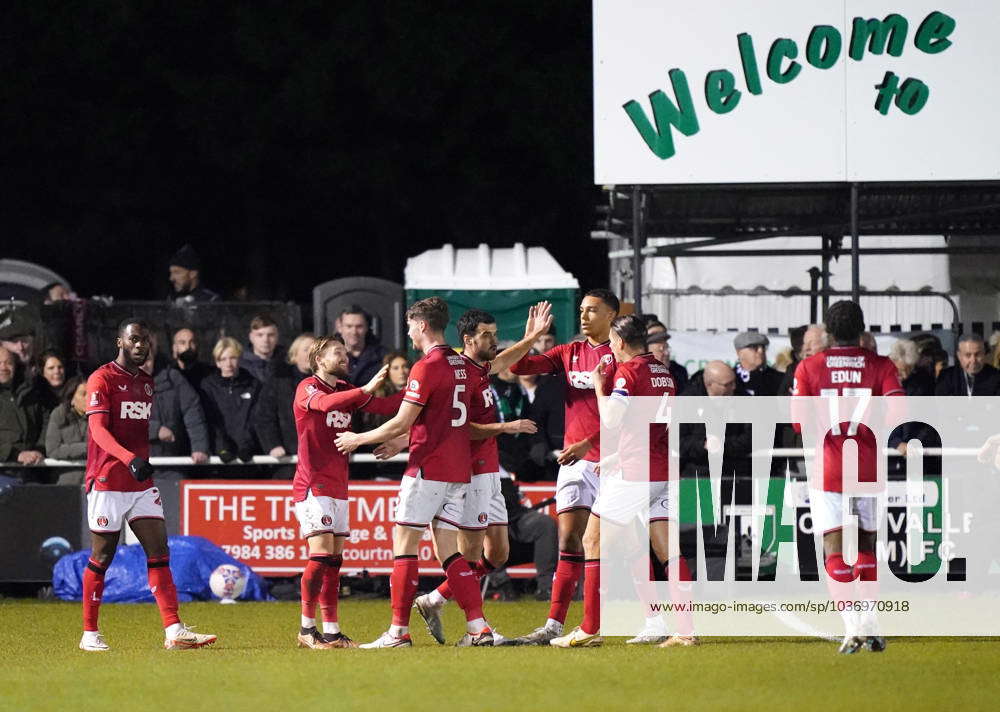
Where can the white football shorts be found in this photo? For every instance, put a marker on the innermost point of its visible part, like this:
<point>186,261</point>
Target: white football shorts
<point>423,501</point>
<point>828,511</point>
<point>576,486</point>
<point>107,511</point>
<point>322,515</point>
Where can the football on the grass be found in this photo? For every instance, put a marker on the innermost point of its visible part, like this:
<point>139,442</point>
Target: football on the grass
<point>227,582</point>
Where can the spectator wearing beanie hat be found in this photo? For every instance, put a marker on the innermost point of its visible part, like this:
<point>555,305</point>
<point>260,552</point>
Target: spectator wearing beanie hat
<point>185,269</point>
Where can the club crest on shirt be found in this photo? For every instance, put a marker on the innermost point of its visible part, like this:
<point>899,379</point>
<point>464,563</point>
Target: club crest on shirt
<point>607,358</point>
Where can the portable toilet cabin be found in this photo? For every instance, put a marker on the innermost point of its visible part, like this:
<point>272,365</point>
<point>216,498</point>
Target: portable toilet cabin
<point>503,281</point>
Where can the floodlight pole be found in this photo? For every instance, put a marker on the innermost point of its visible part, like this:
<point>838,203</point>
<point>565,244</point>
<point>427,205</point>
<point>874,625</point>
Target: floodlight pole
<point>638,233</point>
<point>855,248</point>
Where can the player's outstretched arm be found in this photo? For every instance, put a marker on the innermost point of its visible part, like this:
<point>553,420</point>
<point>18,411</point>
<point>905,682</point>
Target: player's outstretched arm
<point>482,431</point>
<point>538,324</point>
<point>348,442</point>
<point>348,400</point>
<point>387,405</point>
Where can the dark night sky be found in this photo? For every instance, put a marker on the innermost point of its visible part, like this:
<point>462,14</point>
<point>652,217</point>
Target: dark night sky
<point>293,143</point>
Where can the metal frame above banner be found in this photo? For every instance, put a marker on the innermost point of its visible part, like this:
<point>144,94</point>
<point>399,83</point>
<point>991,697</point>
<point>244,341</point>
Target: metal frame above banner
<point>730,214</point>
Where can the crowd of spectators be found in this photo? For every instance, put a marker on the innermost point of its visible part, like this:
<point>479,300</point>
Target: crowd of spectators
<point>236,401</point>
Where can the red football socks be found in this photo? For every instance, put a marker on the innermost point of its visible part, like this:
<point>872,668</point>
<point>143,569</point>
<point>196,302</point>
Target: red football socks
<point>403,588</point>
<point>568,573</point>
<point>161,583</point>
<point>312,584</point>
<point>591,597</point>
<point>480,568</point>
<point>329,595</point>
<point>464,584</point>
<point>838,569</point>
<point>93,590</point>
<point>866,567</point>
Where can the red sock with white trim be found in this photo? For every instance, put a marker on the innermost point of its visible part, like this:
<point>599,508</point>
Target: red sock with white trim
<point>312,584</point>
<point>93,591</point>
<point>403,588</point>
<point>866,567</point>
<point>329,595</point>
<point>591,597</point>
<point>838,569</point>
<point>161,584</point>
<point>568,573</point>
<point>465,585</point>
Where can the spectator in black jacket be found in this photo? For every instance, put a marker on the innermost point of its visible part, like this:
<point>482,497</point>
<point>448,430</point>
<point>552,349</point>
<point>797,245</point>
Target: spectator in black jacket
<point>23,419</point>
<point>274,421</point>
<point>261,359</point>
<point>185,278</point>
<point>972,376</point>
<point>230,395</point>
<point>177,426</point>
<point>758,378</point>
<point>184,351</point>
<point>364,352</point>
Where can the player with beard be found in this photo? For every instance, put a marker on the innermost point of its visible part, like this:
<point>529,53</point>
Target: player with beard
<point>577,483</point>
<point>323,405</point>
<point>483,539</point>
<point>120,487</point>
<point>435,488</point>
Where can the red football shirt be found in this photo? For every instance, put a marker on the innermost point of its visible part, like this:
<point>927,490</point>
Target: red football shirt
<point>645,376</point>
<point>128,400</point>
<point>485,457</point>
<point>441,382</point>
<point>849,371</point>
<point>322,412</point>
<point>576,360</point>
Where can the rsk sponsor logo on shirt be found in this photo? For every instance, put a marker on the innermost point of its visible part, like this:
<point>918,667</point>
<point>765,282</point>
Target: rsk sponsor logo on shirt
<point>338,419</point>
<point>581,379</point>
<point>488,398</point>
<point>136,410</point>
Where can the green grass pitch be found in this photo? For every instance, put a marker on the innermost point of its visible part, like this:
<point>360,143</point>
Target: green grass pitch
<point>255,666</point>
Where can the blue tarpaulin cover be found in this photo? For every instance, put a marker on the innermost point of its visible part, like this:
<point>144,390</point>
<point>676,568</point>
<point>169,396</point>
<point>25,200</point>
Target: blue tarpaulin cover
<point>192,561</point>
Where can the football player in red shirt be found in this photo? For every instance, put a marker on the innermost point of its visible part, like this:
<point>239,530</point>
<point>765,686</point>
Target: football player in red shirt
<point>120,487</point>
<point>322,407</point>
<point>847,369</point>
<point>576,486</point>
<point>434,489</point>
<point>639,373</point>
<point>478,331</point>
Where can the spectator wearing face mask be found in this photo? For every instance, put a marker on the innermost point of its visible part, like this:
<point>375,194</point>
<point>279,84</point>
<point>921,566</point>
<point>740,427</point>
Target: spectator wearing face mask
<point>184,356</point>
